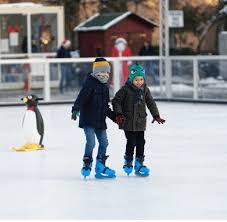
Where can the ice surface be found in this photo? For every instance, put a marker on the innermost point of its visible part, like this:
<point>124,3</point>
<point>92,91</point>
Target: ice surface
<point>187,155</point>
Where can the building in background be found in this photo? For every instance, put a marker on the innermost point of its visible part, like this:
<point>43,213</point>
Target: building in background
<point>28,29</point>
<point>97,35</point>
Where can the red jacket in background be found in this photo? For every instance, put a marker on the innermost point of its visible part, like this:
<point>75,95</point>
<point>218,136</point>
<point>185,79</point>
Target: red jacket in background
<point>126,52</point>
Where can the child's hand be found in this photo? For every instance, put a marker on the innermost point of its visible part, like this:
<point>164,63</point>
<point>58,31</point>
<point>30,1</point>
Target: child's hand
<point>75,114</point>
<point>120,119</point>
<point>158,119</point>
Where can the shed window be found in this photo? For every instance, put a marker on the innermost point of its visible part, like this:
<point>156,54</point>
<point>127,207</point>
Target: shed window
<point>13,32</point>
<point>44,33</point>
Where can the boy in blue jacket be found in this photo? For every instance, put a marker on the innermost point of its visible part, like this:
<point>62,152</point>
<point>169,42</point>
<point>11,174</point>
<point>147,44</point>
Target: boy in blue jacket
<point>92,108</point>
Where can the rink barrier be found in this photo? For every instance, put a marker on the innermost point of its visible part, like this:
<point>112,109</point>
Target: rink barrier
<point>71,102</point>
<point>165,82</point>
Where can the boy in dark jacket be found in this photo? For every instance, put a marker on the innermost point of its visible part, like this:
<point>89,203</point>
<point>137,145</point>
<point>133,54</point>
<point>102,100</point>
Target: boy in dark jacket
<point>92,105</point>
<point>129,105</point>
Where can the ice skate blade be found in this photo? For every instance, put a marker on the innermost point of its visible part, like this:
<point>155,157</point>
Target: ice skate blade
<point>142,174</point>
<point>128,174</point>
<point>85,173</point>
<point>102,176</point>
<point>128,171</point>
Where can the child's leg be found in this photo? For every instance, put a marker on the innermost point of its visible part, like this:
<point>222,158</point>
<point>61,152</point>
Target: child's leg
<point>103,142</point>
<point>90,144</point>
<point>101,170</point>
<point>131,143</point>
<point>140,142</point>
<point>90,141</point>
<point>140,169</point>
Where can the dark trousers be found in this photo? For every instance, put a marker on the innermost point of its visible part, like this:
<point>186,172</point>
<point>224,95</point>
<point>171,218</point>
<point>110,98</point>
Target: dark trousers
<point>135,139</point>
<point>65,77</point>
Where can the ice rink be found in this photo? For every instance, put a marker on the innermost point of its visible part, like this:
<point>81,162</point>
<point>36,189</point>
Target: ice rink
<point>187,156</point>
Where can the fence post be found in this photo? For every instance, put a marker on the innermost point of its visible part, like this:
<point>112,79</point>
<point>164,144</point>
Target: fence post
<point>161,76</point>
<point>195,78</point>
<point>116,75</point>
<point>47,82</point>
<point>168,73</point>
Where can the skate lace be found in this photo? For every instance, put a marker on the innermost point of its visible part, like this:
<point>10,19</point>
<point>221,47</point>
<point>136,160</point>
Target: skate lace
<point>105,169</point>
<point>87,166</point>
<point>142,166</point>
<point>127,165</point>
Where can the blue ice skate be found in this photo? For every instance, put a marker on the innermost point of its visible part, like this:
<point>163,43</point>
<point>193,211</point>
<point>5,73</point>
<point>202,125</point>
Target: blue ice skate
<point>140,169</point>
<point>128,165</point>
<point>101,171</point>
<point>86,169</point>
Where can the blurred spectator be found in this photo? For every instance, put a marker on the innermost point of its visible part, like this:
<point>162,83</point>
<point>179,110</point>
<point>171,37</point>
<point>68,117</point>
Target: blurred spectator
<point>24,45</point>
<point>78,70</point>
<point>65,52</point>
<point>146,49</point>
<point>150,66</point>
<point>27,77</point>
<point>75,53</point>
<point>121,49</point>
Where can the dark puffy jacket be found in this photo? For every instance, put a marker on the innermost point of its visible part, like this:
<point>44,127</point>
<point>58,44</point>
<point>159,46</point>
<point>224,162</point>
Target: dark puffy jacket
<point>146,51</point>
<point>63,53</point>
<point>135,114</point>
<point>92,102</point>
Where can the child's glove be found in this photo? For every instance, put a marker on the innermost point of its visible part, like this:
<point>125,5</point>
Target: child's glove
<point>158,119</point>
<point>120,119</point>
<point>75,114</point>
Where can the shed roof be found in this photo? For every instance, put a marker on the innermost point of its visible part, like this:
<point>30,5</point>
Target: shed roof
<point>104,21</point>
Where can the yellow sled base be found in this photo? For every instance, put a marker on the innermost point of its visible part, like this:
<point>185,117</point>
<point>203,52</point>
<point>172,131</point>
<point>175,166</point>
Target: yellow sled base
<point>28,147</point>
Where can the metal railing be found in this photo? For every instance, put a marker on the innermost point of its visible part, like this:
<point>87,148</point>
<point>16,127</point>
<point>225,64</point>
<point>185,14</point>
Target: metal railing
<point>187,77</point>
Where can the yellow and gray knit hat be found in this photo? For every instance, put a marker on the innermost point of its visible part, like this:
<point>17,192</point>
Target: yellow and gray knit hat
<point>101,65</point>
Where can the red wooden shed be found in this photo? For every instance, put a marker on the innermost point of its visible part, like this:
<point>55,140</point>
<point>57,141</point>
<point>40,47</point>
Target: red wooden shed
<point>97,35</point>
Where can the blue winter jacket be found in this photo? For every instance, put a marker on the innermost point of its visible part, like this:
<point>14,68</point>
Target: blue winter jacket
<point>92,102</point>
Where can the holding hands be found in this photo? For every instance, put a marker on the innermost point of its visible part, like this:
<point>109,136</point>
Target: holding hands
<point>120,119</point>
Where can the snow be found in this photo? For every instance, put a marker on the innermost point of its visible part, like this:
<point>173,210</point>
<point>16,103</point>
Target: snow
<point>213,83</point>
<point>187,155</point>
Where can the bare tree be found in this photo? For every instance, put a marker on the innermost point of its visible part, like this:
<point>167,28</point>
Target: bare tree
<point>112,6</point>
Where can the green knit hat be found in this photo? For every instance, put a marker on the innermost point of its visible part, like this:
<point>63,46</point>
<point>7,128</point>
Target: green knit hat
<point>136,70</point>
